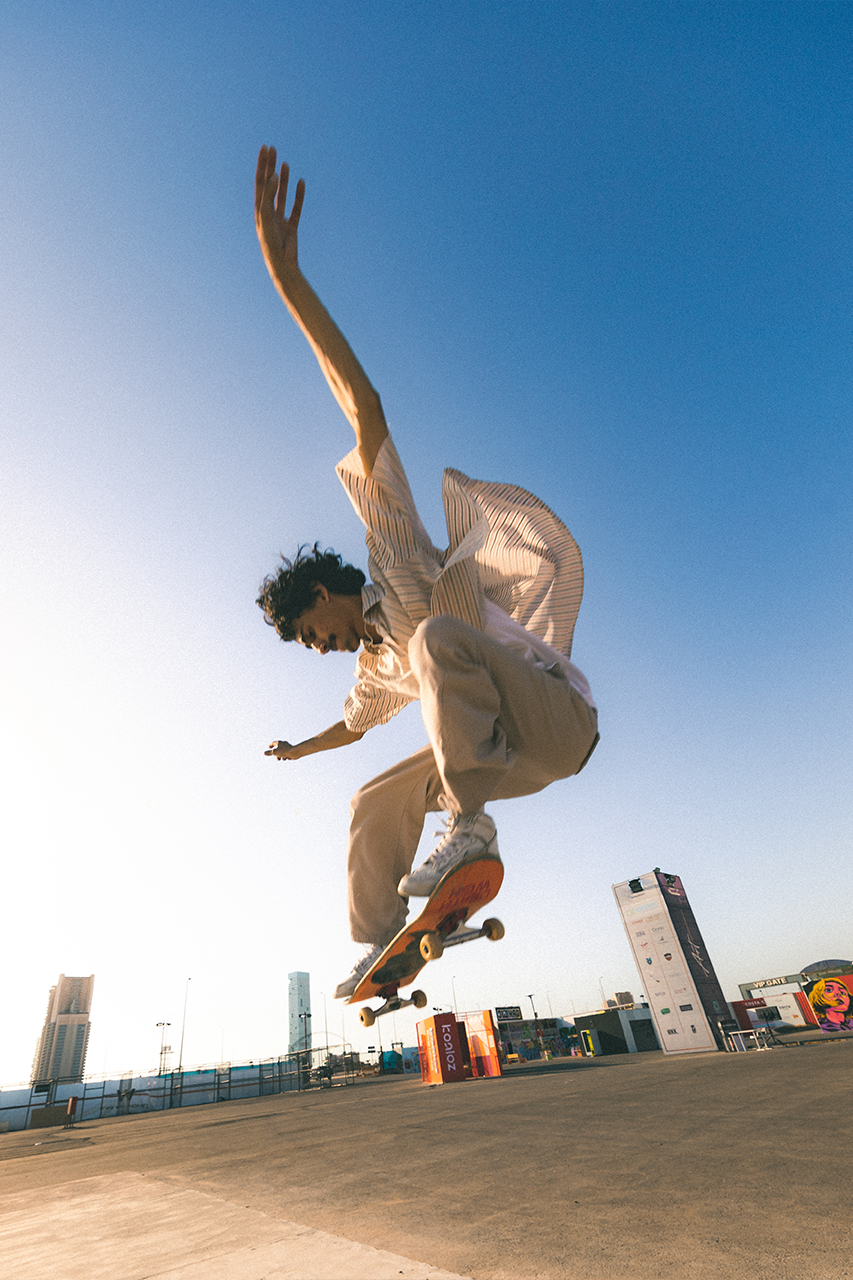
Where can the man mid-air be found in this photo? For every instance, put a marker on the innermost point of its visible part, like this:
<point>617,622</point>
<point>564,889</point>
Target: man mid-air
<point>481,633</point>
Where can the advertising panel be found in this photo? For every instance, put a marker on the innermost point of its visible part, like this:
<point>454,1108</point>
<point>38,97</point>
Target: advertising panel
<point>441,1054</point>
<point>530,1038</point>
<point>741,1010</point>
<point>671,992</point>
<point>480,1030</point>
<point>692,944</point>
<point>781,1008</point>
<point>806,1008</point>
<point>463,1050</point>
<point>832,1002</point>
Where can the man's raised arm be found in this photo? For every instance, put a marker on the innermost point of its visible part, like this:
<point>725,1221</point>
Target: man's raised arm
<point>338,735</point>
<point>278,239</point>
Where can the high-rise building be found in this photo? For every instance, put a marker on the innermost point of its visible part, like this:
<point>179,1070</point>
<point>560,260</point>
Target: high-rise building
<point>61,1050</point>
<point>299,1010</point>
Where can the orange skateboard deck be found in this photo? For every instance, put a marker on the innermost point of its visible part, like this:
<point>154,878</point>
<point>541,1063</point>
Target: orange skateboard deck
<point>456,897</point>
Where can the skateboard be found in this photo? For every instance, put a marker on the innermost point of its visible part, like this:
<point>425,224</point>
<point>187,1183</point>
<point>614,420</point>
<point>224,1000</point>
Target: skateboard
<point>459,893</point>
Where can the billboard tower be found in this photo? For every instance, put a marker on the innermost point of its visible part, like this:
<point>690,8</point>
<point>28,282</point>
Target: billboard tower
<point>683,994</point>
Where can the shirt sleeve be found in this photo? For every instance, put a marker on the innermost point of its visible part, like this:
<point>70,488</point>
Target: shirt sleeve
<point>384,504</point>
<point>369,705</point>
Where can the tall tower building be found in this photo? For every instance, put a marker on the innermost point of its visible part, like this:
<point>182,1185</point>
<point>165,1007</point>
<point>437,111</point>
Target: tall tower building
<point>299,1010</point>
<point>61,1050</point>
<point>686,1001</point>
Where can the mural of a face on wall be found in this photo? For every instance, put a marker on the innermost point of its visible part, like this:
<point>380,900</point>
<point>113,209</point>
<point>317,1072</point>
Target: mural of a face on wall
<point>832,1001</point>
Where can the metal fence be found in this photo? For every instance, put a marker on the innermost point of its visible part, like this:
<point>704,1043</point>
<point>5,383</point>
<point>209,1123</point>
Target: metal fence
<point>130,1094</point>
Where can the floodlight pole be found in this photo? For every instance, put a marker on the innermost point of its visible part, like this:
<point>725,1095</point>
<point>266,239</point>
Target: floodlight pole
<point>183,1026</point>
<point>164,1025</point>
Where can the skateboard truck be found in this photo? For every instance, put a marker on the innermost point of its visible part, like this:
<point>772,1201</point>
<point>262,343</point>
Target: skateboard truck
<point>433,943</point>
<point>431,946</point>
<point>393,1002</point>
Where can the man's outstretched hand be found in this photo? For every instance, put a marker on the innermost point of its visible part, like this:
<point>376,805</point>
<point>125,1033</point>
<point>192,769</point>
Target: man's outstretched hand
<point>283,751</point>
<point>277,234</point>
<point>349,384</point>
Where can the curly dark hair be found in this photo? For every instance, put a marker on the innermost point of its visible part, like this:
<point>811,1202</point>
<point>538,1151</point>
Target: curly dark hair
<point>287,593</point>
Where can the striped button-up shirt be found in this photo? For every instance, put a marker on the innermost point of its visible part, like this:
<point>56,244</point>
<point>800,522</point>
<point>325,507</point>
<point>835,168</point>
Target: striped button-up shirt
<point>504,546</point>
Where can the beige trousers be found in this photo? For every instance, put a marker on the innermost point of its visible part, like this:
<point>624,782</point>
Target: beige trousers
<point>498,727</point>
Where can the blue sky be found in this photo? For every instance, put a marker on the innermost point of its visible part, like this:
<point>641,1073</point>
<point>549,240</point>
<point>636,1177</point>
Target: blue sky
<point>600,250</point>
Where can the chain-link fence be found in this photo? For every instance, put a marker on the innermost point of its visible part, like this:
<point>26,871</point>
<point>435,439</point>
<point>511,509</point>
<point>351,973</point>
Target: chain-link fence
<point>130,1094</point>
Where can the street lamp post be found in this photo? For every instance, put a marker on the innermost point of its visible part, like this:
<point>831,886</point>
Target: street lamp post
<point>536,1026</point>
<point>305,1066</point>
<point>303,1017</point>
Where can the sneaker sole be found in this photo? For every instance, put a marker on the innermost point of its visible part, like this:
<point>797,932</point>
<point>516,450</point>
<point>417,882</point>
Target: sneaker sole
<point>469,857</point>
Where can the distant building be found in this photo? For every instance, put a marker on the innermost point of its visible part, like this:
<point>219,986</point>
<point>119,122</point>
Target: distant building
<point>531,1037</point>
<point>616,1030</point>
<point>299,1010</point>
<point>61,1049</point>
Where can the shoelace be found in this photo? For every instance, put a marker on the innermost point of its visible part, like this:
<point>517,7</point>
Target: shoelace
<point>362,965</point>
<point>445,849</point>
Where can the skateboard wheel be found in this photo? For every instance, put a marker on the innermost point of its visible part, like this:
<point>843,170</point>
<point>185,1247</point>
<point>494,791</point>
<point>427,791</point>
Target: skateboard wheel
<point>366,1016</point>
<point>431,947</point>
<point>419,999</point>
<point>493,929</point>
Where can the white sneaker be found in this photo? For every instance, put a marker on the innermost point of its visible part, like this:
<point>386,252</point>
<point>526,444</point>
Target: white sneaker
<point>468,836</point>
<point>360,968</point>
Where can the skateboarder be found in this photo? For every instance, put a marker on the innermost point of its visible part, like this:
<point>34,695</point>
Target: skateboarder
<point>481,633</point>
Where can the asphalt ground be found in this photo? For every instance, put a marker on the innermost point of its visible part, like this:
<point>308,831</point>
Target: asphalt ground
<point>702,1167</point>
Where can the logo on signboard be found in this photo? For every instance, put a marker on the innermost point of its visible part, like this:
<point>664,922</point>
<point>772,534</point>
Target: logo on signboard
<point>449,1048</point>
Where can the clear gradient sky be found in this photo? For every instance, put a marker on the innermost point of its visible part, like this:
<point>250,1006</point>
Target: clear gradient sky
<point>601,250</point>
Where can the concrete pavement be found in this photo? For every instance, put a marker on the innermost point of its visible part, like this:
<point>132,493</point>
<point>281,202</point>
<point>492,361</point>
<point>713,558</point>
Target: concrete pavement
<point>130,1226</point>
<point>709,1167</point>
